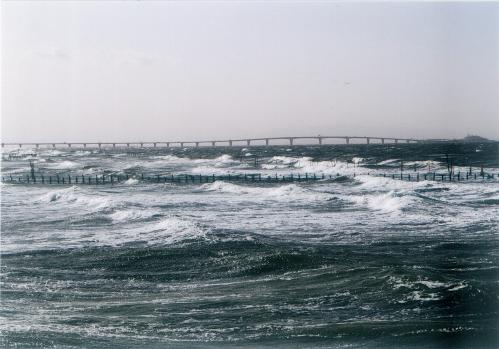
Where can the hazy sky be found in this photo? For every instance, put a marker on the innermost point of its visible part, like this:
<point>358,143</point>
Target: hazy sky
<point>74,71</point>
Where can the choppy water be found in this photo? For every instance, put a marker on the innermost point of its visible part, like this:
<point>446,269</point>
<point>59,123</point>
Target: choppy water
<point>365,262</point>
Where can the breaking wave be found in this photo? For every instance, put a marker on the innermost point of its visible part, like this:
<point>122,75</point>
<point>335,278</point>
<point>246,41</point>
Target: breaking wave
<point>385,203</point>
<point>77,196</point>
<point>130,215</point>
<point>169,230</point>
<point>131,181</point>
<point>65,165</point>
<point>281,192</point>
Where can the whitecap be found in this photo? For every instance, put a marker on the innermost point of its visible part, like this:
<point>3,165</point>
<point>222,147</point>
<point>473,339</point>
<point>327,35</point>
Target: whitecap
<point>131,181</point>
<point>224,160</point>
<point>457,287</point>
<point>273,193</point>
<point>388,162</point>
<point>432,284</point>
<point>64,165</point>
<point>169,230</point>
<point>82,153</point>
<point>129,215</point>
<point>421,297</point>
<point>53,152</point>
<point>308,165</point>
<point>385,203</point>
<point>74,195</point>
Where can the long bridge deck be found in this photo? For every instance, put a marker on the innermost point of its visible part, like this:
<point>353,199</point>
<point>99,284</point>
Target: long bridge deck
<point>317,140</point>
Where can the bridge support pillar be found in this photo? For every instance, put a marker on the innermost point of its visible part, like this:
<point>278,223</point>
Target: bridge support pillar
<point>408,141</point>
<point>347,140</point>
<point>382,141</point>
<point>230,143</point>
<point>154,145</point>
<point>213,144</point>
<point>168,144</point>
<point>128,145</point>
<point>84,145</point>
<point>181,144</point>
<point>100,145</point>
<point>291,141</point>
<point>141,145</point>
<point>368,140</point>
<point>37,146</point>
<point>69,145</point>
<point>320,140</point>
<point>396,141</point>
<point>114,145</point>
<point>197,144</point>
<point>53,145</point>
<point>267,142</point>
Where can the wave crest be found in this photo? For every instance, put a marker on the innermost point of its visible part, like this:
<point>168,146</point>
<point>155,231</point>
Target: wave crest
<point>275,193</point>
<point>74,195</point>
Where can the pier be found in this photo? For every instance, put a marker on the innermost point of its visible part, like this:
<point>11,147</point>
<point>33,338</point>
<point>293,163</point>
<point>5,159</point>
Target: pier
<point>246,142</point>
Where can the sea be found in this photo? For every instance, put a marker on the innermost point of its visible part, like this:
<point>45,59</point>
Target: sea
<point>354,260</point>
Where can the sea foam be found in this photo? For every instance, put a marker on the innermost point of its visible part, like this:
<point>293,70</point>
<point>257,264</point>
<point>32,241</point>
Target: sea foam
<point>74,195</point>
<point>283,192</point>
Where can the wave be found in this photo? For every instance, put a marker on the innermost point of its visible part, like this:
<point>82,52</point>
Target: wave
<point>280,192</point>
<point>222,161</point>
<point>424,290</point>
<point>225,159</point>
<point>52,152</point>
<point>131,181</point>
<point>358,160</point>
<point>64,165</point>
<point>82,153</point>
<point>22,152</point>
<point>158,162</point>
<point>169,230</point>
<point>139,231</point>
<point>389,162</point>
<point>207,165</point>
<point>62,194</point>
<point>130,215</point>
<point>74,195</point>
<point>170,158</point>
<point>397,283</point>
<point>386,183</point>
<point>386,203</point>
<point>308,165</point>
<point>285,160</point>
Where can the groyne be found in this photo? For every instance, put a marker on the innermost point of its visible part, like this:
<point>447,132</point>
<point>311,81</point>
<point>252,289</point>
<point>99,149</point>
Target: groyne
<point>179,178</point>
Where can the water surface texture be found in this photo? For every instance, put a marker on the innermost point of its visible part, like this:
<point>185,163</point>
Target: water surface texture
<point>347,262</point>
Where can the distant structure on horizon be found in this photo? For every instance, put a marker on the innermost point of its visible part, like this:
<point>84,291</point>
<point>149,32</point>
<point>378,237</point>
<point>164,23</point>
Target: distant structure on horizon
<point>468,139</point>
<point>474,139</point>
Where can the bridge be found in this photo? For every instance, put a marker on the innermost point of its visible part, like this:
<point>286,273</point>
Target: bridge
<point>314,140</point>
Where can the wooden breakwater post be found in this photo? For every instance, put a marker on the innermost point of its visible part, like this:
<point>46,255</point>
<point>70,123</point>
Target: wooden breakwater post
<point>442,177</point>
<point>246,177</point>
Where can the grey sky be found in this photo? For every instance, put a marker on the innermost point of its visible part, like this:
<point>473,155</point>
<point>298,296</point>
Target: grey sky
<point>74,71</point>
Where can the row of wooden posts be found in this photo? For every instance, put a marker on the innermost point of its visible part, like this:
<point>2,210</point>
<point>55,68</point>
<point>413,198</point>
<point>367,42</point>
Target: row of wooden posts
<point>257,177</point>
<point>179,178</point>
<point>433,176</point>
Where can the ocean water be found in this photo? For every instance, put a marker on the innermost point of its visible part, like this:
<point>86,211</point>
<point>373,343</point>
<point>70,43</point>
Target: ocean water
<point>351,262</point>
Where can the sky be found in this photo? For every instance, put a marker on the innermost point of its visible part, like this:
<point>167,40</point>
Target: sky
<point>187,70</point>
